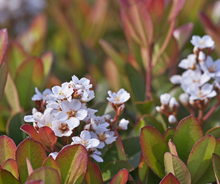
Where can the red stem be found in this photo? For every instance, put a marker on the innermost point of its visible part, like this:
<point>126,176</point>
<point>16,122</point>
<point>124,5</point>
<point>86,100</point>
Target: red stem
<point>208,114</point>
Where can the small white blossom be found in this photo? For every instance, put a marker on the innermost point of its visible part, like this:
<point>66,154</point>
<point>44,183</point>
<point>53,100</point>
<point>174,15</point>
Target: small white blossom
<point>54,155</point>
<point>204,42</point>
<point>123,124</point>
<point>173,103</point>
<point>210,67</point>
<point>61,128</point>
<point>62,92</point>
<point>172,119</point>
<point>189,63</point>
<point>176,79</point>
<point>165,98</point>
<point>120,97</point>
<point>95,155</point>
<point>184,98</point>
<point>202,56</point>
<point>158,108</point>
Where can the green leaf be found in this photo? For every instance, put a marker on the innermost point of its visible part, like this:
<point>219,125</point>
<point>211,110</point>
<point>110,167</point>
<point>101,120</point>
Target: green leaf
<point>170,179</point>
<point>200,157</point>
<point>216,166</point>
<point>29,75</point>
<point>93,174</point>
<point>120,178</point>
<point>177,167</point>
<point>50,162</point>
<point>11,94</point>
<point>215,131</point>
<point>46,174</point>
<point>142,169</point>
<point>169,134</point>
<point>7,149</point>
<point>137,128</point>
<point>13,128</point>
<point>73,161</point>
<point>6,177</point>
<point>32,150</point>
<point>152,121</point>
<point>120,147</point>
<point>144,107</point>
<point>3,76</point>
<point>153,148</point>
<point>3,43</point>
<point>172,148</point>
<point>47,60</point>
<point>11,166</point>
<point>138,88</point>
<point>114,167</point>
<point>187,133</point>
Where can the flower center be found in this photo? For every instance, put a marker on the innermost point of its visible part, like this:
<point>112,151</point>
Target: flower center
<point>64,127</point>
<point>102,137</point>
<point>212,69</point>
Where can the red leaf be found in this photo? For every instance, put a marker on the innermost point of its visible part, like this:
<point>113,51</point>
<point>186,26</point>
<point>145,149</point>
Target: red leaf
<point>7,149</point>
<point>121,177</point>
<point>3,77</point>
<point>120,147</point>
<point>3,43</point>
<point>93,175</point>
<point>176,8</point>
<point>48,137</point>
<point>31,132</point>
<point>170,179</point>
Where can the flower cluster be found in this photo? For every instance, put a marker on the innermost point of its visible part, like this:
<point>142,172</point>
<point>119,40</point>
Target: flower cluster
<point>202,76</point>
<point>64,108</point>
<point>168,107</point>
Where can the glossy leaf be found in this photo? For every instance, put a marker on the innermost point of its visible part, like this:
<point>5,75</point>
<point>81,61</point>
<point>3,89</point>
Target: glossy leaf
<point>172,148</point>
<point>216,166</point>
<point>11,94</point>
<point>13,128</point>
<point>11,166</point>
<point>168,135</point>
<point>144,107</point>
<point>174,165</point>
<point>187,133</point>
<point>170,179</point>
<point>29,75</point>
<point>153,148</point>
<point>32,150</point>
<point>200,157</point>
<point>3,76</point>
<point>6,177</point>
<point>137,128</point>
<point>121,177</point>
<point>114,167</point>
<point>73,161</point>
<point>152,121</point>
<point>7,149</point>
<point>93,174</point>
<point>48,137</point>
<point>215,131</point>
<point>50,162</point>
<point>46,174</point>
<point>3,43</point>
<point>142,168</point>
<point>27,128</point>
<point>120,147</point>
<point>15,55</point>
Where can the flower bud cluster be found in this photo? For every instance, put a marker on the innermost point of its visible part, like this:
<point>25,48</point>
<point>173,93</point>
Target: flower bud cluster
<point>64,108</point>
<point>169,107</point>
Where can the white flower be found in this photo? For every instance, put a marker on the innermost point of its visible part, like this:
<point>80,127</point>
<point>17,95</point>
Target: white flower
<point>83,83</point>
<point>176,79</point>
<point>202,56</point>
<point>211,68</point>
<point>158,108</point>
<point>173,103</point>
<point>165,98</point>
<point>204,42</point>
<point>62,92</point>
<point>85,140</point>
<point>54,155</point>
<point>120,97</point>
<point>46,96</point>
<point>189,63</point>
<point>95,155</point>
<point>123,124</point>
<point>201,93</point>
<point>61,128</point>
<point>172,119</point>
<point>184,98</point>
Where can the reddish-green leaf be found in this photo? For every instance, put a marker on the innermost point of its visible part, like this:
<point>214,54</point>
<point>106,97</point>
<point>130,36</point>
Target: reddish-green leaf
<point>121,177</point>
<point>3,76</point>
<point>93,174</point>
<point>177,167</point>
<point>176,7</point>
<point>29,75</point>
<point>32,150</point>
<point>48,137</point>
<point>50,162</point>
<point>46,174</point>
<point>215,131</point>
<point>144,107</point>
<point>31,132</point>
<point>168,135</point>
<point>73,161</point>
<point>29,166</point>
<point>120,147</point>
<point>142,168</point>
<point>11,166</point>
<point>6,177</point>
<point>200,157</point>
<point>7,149</point>
<point>11,94</point>
<point>35,182</point>
<point>187,133</point>
<point>170,179</point>
<point>47,60</point>
<point>216,166</point>
<point>137,128</point>
<point>3,43</point>
<point>15,55</point>
<point>172,148</point>
<point>153,148</point>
